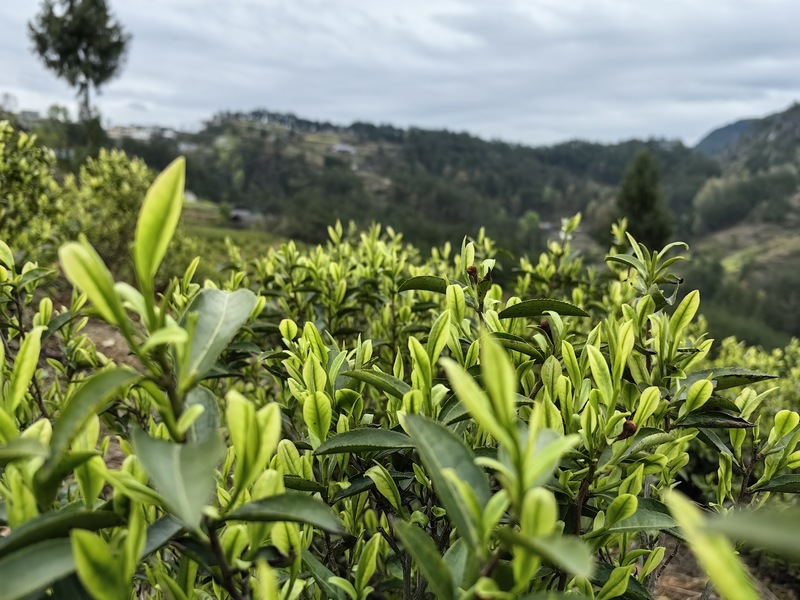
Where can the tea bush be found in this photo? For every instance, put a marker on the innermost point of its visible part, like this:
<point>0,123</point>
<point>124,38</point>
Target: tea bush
<point>39,211</point>
<point>357,420</point>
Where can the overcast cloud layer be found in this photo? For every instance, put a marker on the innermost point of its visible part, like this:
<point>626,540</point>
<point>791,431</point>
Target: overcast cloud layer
<point>532,71</point>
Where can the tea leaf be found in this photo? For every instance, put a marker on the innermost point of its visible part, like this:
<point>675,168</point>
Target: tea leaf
<point>182,473</point>
<point>430,563</point>
<point>427,283</point>
<point>220,316</point>
<point>439,450</point>
<point>55,525</point>
<point>540,306</point>
<point>297,508</point>
<point>365,440</point>
<point>35,568</point>
<point>386,383</point>
<point>158,219</point>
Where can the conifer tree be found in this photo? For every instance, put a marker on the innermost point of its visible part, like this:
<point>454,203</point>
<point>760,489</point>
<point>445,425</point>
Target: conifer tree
<point>641,200</point>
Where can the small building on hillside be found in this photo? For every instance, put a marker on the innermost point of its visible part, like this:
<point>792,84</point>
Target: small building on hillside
<point>340,148</point>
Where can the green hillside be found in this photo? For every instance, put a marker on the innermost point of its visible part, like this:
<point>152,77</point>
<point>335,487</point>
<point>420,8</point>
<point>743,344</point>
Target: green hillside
<point>431,185</point>
<point>734,197</point>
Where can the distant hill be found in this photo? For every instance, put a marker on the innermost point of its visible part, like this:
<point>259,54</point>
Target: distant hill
<point>718,140</point>
<point>735,197</point>
<point>770,142</point>
<point>433,186</point>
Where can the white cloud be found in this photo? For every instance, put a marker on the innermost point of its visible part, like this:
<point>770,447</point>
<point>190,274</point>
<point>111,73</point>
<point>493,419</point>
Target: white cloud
<point>531,71</point>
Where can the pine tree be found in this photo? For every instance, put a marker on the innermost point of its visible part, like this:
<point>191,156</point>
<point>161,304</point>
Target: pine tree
<point>641,200</point>
<point>81,42</point>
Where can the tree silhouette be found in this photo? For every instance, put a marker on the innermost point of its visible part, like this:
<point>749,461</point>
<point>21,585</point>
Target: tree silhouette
<point>81,42</point>
<point>642,201</point>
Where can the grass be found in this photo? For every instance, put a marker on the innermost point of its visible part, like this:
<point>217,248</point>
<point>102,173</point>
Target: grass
<point>213,251</point>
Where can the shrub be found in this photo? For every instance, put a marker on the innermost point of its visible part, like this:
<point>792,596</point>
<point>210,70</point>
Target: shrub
<point>338,421</point>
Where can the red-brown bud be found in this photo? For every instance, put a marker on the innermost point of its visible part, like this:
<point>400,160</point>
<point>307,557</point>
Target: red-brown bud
<point>472,271</point>
<point>628,429</point>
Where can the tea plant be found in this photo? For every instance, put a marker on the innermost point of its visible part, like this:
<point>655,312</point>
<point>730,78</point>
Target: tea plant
<point>357,421</point>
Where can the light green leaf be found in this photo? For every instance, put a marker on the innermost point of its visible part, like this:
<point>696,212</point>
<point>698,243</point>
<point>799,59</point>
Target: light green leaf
<point>386,486</point>
<point>24,368</point>
<point>97,567</point>
<point>567,552</point>
<point>601,374</point>
<point>86,270</point>
<point>683,315</point>
<point>183,474</point>
<point>437,339</point>
<point>317,414</point>
<point>476,401</point>
<point>367,562</point>
<point>500,380</point>
<point>158,219</point>
<point>169,335</point>
<point>714,553</point>
<point>617,583</point>
<point>621,508</point>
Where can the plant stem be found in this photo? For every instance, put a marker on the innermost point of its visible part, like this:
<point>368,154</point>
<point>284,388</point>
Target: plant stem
<point>219,554</point>
<point>583,492</point>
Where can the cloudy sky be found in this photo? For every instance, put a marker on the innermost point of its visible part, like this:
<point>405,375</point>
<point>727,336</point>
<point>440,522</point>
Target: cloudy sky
<point>531,71</point>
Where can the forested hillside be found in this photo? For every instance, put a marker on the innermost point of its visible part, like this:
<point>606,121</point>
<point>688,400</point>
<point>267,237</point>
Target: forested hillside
<point>431,185</point>
<point>734,197</point>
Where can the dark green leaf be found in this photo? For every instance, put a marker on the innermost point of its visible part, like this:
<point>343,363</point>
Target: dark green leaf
<point>321,575</point>
<point>428,283</point>
<point>47,482</point>
<point>35,568</point>
<point>292,507</point>
<point>70,588</point>
<point>206,424</point>
<point>55,525</point>
<point>220,316</point>
<point>540,306</point>
<point>439,450</point>
<point>183,474</point>
<point>713,420</point>
<point>728,377</point>
<point>357,486</point>
<point>386,383</point>
<point>645,519</point>
<point>517,344</point>
<point>160,533</point>
<point>56,323</point>
<point>787,484</point>
<point>425,553</point>
<point>295,482</point>
<point>367,439</point>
